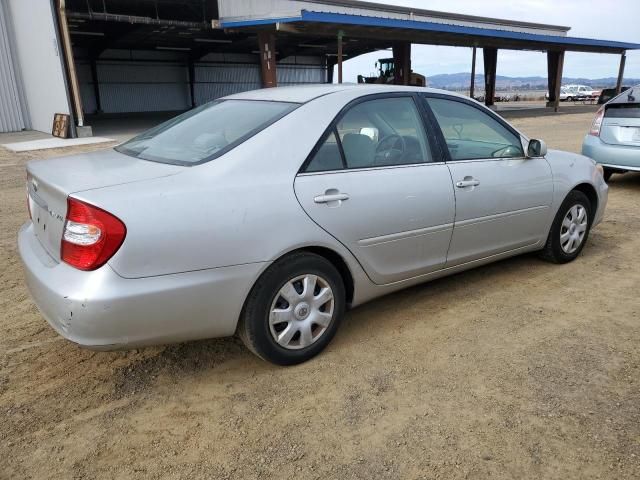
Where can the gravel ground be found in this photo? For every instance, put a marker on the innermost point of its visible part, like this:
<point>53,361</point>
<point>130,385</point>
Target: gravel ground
<point>521,369</point>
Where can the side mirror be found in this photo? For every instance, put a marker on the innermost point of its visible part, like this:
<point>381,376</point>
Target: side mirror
<point>537,148</point>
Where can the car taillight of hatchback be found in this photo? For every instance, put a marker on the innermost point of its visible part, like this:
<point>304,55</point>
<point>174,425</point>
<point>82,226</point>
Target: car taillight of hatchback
<point>597,123</point>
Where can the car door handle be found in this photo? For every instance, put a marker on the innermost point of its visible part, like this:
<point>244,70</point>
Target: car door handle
<point>467,183</point>
<point>333,197</point>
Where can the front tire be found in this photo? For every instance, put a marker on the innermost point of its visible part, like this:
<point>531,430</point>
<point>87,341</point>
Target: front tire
<point>294,309</point>
<point>570,229</point>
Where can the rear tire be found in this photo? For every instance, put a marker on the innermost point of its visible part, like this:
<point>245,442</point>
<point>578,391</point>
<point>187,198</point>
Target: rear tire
<point>607,174</point>
<point>293,310</point>
<point>570,229</point>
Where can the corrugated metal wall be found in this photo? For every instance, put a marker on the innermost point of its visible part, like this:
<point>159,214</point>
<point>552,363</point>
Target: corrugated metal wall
<point>136,81</point>
<point>218,75</point>
<point>83,71</point>
<point>12,111</point>
<point>143,87</point>
<point>141,82</point>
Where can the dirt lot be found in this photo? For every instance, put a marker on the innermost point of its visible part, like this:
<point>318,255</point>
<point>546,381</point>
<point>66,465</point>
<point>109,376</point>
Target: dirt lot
<point>517,370</point>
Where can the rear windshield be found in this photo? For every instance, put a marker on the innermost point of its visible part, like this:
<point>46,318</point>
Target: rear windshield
<point>623,111</point>
<point>206,132</point>
<point>625,105</point>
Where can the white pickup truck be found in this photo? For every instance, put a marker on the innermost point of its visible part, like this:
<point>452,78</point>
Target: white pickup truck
<point>581,92</point>
<point>571,93</point>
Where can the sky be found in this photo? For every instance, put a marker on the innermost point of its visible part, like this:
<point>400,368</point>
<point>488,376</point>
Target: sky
<point>606,19</point>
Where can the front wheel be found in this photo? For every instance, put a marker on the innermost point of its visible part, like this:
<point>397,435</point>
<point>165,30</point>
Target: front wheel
<point>570,229</point>
<point>293,310</point>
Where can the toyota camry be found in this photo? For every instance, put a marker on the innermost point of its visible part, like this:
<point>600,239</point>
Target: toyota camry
<point>267,214</point>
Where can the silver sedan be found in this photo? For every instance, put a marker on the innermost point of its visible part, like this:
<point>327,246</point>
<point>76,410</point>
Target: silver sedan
<point>269,213</point>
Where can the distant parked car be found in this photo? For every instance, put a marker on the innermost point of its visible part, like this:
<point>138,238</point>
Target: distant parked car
<point>583,92</point>
<point>268,213</point>
<point>608,93</point>
<point>614,138</point>
<point>564,94</point>
<point>572,93</point>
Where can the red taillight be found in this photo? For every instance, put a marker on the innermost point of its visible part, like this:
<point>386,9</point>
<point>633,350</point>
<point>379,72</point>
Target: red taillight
<point>597,123</point>
<point>91,236</point>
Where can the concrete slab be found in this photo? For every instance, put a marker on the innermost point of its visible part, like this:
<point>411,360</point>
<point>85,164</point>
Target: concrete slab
<point>53,142</point>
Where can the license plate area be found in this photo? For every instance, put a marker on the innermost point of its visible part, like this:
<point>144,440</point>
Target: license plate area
<point>47,225</point>
<point>40,218</point>
<point>636,135</point>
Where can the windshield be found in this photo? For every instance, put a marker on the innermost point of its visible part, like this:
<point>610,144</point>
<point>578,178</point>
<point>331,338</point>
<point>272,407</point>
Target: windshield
<point>206,132</point>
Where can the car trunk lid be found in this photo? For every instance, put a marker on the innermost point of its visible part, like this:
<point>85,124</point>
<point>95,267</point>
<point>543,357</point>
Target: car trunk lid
<point>50,182</point>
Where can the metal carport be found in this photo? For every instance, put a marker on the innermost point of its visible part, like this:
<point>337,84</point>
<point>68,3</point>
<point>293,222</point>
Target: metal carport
<point>383,26</point>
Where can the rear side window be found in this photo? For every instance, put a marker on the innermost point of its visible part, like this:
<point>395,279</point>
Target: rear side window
<point>383,132</point>
<point>471,134</point>
<point>327,157</point>
<point>206,132</point>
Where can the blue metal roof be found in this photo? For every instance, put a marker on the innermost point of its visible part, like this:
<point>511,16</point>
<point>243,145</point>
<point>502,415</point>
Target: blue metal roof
<point>360,20</point>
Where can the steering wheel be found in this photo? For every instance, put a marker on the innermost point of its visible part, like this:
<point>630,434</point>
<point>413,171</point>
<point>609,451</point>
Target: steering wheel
<point>390,149</point>
<point>508,151</point>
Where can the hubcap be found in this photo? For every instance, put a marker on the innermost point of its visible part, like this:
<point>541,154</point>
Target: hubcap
<point>301,312</point>
<point>573,229</point>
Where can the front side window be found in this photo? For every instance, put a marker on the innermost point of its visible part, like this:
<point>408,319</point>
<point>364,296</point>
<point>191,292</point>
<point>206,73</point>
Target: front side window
<point>383,132</point>
<point>471,133</point>
<point>205,132</point>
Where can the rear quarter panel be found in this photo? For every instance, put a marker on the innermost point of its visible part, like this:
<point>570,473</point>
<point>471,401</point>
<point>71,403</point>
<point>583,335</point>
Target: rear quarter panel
<point>237,209</point>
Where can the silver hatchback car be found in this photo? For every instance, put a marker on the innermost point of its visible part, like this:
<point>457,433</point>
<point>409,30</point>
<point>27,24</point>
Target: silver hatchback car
<point>269,213</point>
<point>614,138</point>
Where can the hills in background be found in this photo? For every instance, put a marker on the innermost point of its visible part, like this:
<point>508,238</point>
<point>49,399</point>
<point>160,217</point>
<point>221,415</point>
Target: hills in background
<point>459,81</point>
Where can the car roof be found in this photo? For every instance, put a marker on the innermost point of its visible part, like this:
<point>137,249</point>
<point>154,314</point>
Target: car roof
<point>306,93</point>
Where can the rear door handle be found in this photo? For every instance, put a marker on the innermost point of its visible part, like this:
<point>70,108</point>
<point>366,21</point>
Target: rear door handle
<point>333,197</point>
<point>467,183</point>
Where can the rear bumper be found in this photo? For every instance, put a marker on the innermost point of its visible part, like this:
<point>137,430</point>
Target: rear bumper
<point>102,310</point>
<point>612,156</point>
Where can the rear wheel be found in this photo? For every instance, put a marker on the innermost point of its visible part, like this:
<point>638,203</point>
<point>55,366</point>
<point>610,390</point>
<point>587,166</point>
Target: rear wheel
<point>570,229</point>
<point>607,174</point>
<point>293,310</point>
